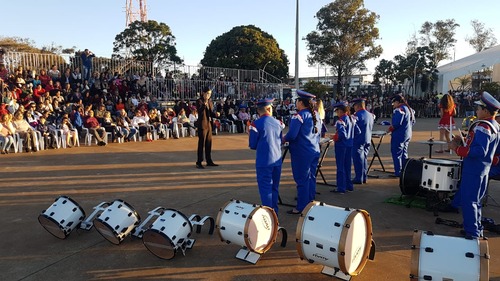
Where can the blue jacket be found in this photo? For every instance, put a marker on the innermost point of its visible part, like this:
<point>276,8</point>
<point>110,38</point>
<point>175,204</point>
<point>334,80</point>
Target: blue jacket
<point>364,121</point>
<point>402,123</point>
<point>345,127</point>
<point>265,137</point>
<point>302,140</point>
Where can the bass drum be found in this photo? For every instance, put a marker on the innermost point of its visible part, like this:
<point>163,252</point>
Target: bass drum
<point>437,257</point>
<point>409,181</point>
<point>334,237</point>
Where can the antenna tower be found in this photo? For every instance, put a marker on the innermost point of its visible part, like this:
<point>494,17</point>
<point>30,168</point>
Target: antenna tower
<point>132,14</point>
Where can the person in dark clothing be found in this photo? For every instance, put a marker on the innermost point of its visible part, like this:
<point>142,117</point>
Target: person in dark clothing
<point>206,114</point>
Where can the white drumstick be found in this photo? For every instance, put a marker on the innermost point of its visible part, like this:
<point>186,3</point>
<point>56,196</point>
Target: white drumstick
<point>461,136</point>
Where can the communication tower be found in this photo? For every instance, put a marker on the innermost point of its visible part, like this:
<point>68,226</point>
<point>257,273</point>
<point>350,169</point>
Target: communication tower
<point>132,13</point>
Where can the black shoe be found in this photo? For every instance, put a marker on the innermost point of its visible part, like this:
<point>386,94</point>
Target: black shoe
<point>357,182</point>
<point>199,166</point>
<point>337,191</point>
<point>293,212</point>
<point>212,164</point>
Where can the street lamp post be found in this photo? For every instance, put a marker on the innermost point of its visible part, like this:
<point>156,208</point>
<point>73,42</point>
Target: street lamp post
<point>415,76</point>
<point>297,45</point>
<point>264,71</point>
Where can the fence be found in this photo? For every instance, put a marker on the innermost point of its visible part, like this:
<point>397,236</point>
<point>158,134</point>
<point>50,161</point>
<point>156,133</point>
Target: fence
<point>176,82</point>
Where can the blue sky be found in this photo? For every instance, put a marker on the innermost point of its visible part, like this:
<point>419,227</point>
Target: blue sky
<point>93,24</point>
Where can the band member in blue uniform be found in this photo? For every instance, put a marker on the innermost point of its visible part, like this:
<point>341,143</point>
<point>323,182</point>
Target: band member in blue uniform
<point>343,138</point>
<point>265,136</point>
<point>477,152</point>
<point>362,141</point>
<point>403,119</point>
<point>303,138</point>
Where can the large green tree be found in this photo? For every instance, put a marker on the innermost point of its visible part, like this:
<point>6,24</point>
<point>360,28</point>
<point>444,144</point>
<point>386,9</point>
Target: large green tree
<point>483,37</point>
<point>147,41</point>
<point>344,39</point>
<point>439,37</point>
<point>247,47</point>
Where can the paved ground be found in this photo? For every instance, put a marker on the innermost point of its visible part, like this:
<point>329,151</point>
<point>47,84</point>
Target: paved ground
<point>162,173</point>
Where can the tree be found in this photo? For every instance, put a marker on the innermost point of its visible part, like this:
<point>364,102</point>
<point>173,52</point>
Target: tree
<point>483,37</point>
<point>439,37</point>
<point>316,88</point>
<point>147,41</point>
<point>247,47</point>
<point>344,39</point>
<point>18,44</point>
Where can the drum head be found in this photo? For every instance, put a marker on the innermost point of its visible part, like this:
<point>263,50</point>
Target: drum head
<point>261,229</point>
<point>107,231</point>
<point>52,226</point>
<point>355,244</point>
<point>442,162</point>
<point>409,182</point>
<point>158,244</point>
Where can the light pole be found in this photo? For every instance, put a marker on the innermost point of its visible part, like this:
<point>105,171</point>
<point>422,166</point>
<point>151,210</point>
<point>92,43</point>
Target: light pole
<point>415,77</point>
<point>297,46</point>
<point>264,70</point>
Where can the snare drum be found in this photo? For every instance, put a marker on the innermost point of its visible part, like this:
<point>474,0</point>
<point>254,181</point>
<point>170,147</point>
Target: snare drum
<point>411,177</point>
<point>441,175</point>
<point>334,237</point>
<point>62,217</point>
<point>252,226</point>
<point>117,221</point>
<point>167,234</point>
<point>436,257</point>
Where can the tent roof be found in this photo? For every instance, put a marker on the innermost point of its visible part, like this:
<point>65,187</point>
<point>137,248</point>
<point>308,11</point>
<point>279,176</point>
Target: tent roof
<point>467,65</point>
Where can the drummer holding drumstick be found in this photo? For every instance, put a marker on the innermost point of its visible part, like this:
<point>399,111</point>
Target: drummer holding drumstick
<point>477,152</point>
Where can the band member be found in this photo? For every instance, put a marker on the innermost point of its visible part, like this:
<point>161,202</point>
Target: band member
<point>343,138</point>
<point>206,114</point>
<point>303,138</point>
<point>265,135</point>
<point>403,118</point>
<point>477,152</point>
<point>362,141</point>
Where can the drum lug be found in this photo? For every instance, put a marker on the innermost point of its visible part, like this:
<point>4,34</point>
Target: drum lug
<point>88,223</point>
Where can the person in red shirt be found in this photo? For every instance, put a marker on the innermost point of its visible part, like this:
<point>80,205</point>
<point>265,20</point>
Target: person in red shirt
<point>95,128</point>
<point>446,124</point>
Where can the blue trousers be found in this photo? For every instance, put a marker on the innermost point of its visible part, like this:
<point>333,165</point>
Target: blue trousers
<point>268,180</point>
<point>304,174</point>
<point>343,159</point>
<point>360,161</point>
<point>399,151</point>
<point>469,196</point>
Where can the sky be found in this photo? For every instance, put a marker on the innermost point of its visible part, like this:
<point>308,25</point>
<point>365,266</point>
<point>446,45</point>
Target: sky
<point>93,24</point>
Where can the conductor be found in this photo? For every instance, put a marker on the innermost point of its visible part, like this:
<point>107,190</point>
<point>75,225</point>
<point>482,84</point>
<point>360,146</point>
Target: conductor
<point>205,106</point>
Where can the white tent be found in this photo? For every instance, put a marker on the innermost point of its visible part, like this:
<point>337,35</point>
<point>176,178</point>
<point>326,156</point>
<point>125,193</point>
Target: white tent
<point>467,65</point>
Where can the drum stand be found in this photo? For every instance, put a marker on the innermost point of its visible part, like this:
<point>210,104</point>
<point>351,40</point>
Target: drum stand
<point>320,163</point>
<point>336,272</point>
<point>435,199</point>
<point>377,155</point>
<point>88,223</point>
<point>253,257</point>
<point>195,220</point>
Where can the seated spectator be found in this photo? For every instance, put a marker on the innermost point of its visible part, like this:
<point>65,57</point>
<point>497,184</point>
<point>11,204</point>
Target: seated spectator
<point>95,128</point>
<point>124,122</point>
<point>25,131</point>
<point>99,113</point>
<point>110,126</point>
<point>69,133</point>
<point>244,116</point>
<point>49,138</point>
<point>155,121</point>
<point>141,122</point>
<point>7,132</point>
<point>184,121</point>
<point>236,121</point>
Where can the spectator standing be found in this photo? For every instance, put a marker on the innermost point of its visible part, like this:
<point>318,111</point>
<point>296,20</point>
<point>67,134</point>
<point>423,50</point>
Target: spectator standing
<point>87,57</point>
<point>447,110</point>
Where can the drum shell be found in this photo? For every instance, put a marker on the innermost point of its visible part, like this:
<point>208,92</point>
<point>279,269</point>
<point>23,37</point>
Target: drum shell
<point>444,257</point>
<point>62,217</point>
<point>167,232</point>
<point>117,221</point>
<point>252,226</point>
<point>441,175</point>
<point>326,234</point>
<point>411,176</point>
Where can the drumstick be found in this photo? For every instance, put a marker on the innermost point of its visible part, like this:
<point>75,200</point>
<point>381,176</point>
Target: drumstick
<point>461,136</point>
